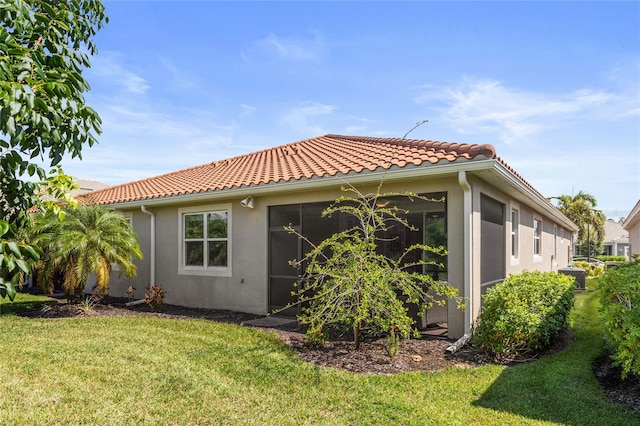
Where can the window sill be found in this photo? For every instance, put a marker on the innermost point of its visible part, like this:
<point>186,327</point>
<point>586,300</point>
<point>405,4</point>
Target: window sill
<point>207,272</point>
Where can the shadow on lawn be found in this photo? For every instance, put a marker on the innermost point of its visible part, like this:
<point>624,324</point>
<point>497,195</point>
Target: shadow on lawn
<point>11,308</point>
<point>561,388</point>
<point>530,392</point>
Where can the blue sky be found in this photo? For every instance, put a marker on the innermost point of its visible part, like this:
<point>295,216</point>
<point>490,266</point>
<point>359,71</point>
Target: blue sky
<point>554,86</point>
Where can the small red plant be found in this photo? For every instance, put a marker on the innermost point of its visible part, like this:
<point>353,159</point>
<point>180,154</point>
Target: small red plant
<point>154,296</point>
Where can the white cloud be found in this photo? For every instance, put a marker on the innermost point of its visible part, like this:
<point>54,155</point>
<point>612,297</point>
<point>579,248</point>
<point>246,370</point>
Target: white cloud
<point>178,76</point>
<point>108,64</point>
<point>307,118</point>
<point>487,106</point>
<point>292,49</point>
<point>140,141</point>
<point>247,110</point>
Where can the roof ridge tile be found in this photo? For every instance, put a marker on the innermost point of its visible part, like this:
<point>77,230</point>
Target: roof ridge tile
<point>329,154</point>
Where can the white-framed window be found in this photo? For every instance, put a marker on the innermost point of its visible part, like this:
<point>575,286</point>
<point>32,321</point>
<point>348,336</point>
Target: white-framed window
<point>515,237</point>
<point>537,237</point>
<point>205,240</point>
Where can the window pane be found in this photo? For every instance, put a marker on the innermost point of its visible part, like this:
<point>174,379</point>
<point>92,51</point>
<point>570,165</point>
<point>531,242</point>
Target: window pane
<point>193,253</point>
<point>217,253</point>
<point>217,225</point>
<point>193,226</point>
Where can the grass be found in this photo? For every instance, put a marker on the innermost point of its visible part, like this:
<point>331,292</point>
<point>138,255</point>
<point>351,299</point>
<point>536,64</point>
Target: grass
<point>143,370</point>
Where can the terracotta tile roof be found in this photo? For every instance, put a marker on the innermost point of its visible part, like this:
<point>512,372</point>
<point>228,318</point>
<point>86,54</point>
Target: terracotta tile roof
<point>315,157</point>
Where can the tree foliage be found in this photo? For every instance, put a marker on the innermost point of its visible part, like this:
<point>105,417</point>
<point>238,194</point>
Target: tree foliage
<point>44,48</point>
<point>580,208</point>
<point>89,239</point>
<point>348,283</point>
<point>15,261</point>
<point>619,293</point>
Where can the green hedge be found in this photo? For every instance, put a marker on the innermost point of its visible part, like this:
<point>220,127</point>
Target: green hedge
<point>523,313</point>
<point>619,293</point>
<point>592,271</point>
<point>612,258</point>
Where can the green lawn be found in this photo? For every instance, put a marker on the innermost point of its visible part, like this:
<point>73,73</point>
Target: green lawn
<point>143,370</point>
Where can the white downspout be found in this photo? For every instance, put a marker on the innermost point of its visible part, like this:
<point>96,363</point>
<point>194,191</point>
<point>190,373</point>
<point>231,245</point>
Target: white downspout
<point>468,262</point>
<point>152,254</point>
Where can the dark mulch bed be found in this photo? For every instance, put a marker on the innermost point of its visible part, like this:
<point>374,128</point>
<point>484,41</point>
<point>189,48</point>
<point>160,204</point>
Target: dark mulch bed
<point>425,354</point>
<point>625,392</point>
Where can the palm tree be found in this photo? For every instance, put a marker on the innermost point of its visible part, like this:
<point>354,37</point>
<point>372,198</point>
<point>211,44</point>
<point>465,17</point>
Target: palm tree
<point>580,208</point>
<point>89,239</point>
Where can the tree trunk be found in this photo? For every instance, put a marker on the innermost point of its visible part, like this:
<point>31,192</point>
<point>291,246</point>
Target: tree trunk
<point>356,335</point>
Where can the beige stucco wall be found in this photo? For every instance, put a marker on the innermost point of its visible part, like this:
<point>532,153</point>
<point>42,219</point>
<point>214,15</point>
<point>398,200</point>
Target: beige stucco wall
<point>632,225</point>
<point>556,239</point>
<point>247,288</point>
<point>634,239</point>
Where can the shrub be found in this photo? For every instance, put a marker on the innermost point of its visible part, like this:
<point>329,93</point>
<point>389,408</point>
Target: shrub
<point>592,271</point>
<point>154,296</point>
<point>619,293</point>
<point>316,336</point>
<point>612,258</point>
<point>596,271</point>
<point>523,313</point>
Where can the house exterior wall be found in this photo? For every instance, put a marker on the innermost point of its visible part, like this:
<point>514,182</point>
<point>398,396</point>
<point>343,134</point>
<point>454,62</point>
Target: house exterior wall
<point>634,239</point>
<point>246,289</point>
<point>632,225</point>
<point>555,250</point>
<point>555,239</point>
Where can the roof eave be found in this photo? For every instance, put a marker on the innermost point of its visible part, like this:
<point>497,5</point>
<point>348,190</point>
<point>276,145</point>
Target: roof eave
<point>634,216</point>
<point>494,167</point>
<point>500,171</point>
<point>314,183</point>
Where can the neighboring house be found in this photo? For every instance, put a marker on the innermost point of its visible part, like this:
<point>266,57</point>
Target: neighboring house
<point>86,185</point>
<point>616,239</point>
<point>632,224</point>
<point>213,235</point>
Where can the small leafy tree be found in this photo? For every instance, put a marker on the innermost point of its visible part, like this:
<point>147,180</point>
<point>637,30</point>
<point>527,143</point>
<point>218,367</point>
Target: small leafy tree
<point>89,239</point>
<point>44,48</point>
<point>348,283</point>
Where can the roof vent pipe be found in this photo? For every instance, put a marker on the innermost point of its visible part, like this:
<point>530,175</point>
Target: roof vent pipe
<point>468,262</point>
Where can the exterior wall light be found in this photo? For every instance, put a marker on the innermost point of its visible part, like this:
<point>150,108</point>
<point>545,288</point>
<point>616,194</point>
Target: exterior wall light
<point>247,202</point>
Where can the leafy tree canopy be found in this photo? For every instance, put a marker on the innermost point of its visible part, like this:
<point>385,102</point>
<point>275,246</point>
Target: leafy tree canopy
<point>581,209</point>
<point>44,47</point>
